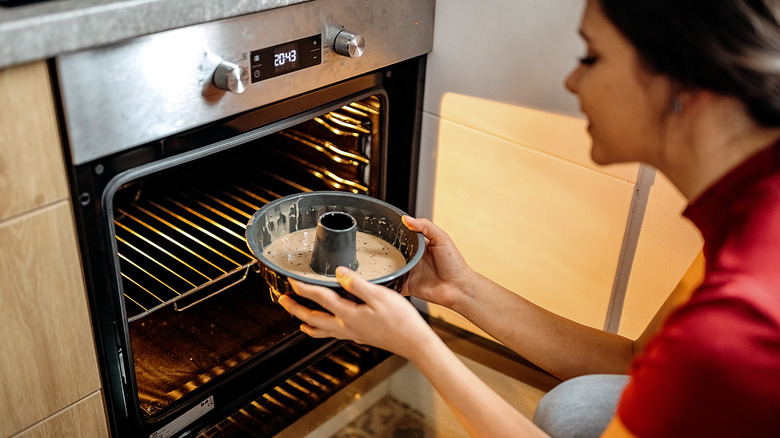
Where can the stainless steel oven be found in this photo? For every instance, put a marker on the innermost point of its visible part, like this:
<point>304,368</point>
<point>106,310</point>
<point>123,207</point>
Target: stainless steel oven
<point>174,140</point>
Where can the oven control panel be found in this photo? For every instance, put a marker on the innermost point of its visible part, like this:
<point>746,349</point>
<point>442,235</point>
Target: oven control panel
<point>231,77</point>
<point>280,59</point>
<point>285,58</point>
<point>116,97</point>
<point>349,44</point>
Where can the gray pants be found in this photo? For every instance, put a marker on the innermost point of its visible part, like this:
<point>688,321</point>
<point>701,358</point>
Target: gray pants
<point>581,407</point>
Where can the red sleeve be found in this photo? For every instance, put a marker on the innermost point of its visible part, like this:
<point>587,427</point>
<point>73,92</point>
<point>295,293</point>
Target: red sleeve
<point>713,370</point>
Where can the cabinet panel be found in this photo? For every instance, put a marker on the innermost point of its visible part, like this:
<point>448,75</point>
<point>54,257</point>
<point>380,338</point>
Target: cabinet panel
<point>32,173</point>
<point>85,419</point>
<point>536,224</point>
<point>47,352</point>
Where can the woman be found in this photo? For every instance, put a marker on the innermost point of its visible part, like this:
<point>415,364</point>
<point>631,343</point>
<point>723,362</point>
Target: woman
<point>693,89</point>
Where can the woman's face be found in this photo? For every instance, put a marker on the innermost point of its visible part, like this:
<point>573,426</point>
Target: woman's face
<point>626,105</point>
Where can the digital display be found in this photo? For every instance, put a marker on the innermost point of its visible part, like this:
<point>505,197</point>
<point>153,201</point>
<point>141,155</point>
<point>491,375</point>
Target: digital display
<point>285,58</point>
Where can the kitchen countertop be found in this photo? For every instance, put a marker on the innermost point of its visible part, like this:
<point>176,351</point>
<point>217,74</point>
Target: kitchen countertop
<point>32,31</point>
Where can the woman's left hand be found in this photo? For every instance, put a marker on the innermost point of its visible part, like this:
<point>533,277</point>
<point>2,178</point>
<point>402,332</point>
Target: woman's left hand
<point>390,322</point>
<point>386,319</point>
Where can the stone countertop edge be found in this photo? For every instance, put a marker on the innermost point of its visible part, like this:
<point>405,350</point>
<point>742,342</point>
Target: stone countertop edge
<point>42,30</point>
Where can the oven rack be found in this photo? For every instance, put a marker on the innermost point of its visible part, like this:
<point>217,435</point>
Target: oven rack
<point>180,236</point>
<point>175,244</point>
<point>288,401</point>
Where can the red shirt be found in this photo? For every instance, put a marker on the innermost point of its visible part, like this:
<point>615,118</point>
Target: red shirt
<point>714,368</point>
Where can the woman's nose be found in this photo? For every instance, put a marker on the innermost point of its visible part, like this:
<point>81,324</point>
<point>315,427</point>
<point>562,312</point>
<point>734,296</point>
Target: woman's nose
<point>571,80</point>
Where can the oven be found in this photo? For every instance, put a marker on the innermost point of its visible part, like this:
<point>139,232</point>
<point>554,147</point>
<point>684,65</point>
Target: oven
<point>174,140</point>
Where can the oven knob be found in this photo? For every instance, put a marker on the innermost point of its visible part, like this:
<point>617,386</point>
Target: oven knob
<point>349,44</point>
<point>231,77</point>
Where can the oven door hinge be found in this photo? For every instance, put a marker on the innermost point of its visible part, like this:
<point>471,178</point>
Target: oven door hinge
<point>122,367</point>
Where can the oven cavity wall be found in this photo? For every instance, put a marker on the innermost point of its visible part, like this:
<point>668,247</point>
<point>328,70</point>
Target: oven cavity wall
<point>50,383</point>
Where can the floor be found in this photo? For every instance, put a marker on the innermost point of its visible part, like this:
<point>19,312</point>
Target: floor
<point>405,405</point>
<point>388,418</point>
<point>394,400</point>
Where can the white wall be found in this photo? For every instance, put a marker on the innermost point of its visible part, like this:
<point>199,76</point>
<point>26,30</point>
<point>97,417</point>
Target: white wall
<point>505,166</point>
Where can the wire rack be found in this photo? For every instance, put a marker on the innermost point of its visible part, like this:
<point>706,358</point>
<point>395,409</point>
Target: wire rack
<point>288,401</point>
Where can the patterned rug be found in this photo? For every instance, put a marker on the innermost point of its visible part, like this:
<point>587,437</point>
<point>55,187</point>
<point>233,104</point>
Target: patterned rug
<point>388,418</point>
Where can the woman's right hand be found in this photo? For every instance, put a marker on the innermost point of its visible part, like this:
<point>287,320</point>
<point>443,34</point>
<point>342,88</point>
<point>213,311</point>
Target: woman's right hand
<point>442,275</point>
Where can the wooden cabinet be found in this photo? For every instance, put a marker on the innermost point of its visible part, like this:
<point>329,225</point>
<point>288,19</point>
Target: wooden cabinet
<point>84,420</point>
<point>32,173</point>
<point>48,363</point>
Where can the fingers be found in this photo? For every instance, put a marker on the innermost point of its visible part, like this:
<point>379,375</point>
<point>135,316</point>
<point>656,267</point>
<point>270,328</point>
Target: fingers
<point>375,324</point>
<point>314,332</point>
<point>373,295</point>
<point>300,311</point>
<point>315,322</point>
<point>413,224</point>
<point>292,307</point>
<point>361,288</point>
<point>323,296</point>
<point>431,232</point>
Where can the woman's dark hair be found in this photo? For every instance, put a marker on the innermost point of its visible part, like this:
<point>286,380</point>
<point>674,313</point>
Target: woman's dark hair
<point>728,46</point>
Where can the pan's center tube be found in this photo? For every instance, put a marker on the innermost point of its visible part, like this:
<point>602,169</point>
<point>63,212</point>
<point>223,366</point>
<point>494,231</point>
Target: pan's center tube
<point>334,243</point>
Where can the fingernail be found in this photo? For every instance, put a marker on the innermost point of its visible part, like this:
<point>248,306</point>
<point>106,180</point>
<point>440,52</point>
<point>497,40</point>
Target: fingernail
<point>284,301</point>
<point>343,271</point>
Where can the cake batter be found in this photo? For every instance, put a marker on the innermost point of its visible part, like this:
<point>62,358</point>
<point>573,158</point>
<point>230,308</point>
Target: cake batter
<point>376,257</point>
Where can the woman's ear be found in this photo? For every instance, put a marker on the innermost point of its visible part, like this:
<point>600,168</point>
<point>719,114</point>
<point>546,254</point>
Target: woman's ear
<point>686,99</point>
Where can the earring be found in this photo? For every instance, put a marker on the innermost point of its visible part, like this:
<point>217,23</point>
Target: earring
<point>677,106</point>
